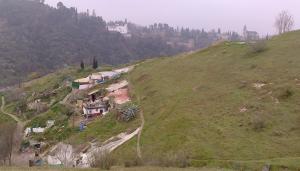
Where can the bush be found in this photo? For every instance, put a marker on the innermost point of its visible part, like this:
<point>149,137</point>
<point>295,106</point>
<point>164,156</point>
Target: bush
<point>128,111</point>
<point>21,105</point>
<point>285,94</point>
<point>258,46</point>
<point>175,160</point>
<point>33,75</point>
<point>133,163</point>
<point>258,123</point>
<point>102,160</point>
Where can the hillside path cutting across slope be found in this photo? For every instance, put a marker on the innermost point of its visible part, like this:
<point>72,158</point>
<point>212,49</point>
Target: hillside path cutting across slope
<point>138,148</point>
<point>9,114</point>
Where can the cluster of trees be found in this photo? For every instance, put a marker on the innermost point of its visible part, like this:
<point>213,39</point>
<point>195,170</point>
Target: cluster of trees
<point>284,22</point>
<point>184,39</point>
<point>94,64</point>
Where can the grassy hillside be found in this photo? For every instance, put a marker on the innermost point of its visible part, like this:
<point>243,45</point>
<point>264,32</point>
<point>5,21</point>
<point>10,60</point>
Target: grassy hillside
<point>4,118</point>
<point>206,106</point>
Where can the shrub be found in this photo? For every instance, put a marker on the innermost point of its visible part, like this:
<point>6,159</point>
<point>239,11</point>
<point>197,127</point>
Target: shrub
<point>285,94</point>
<point>102,160</point>
<point>21,105</point>
<point>133,163</point>
<point>33,75</point>
<point>258,46</point>
<point>258,123</point>
<point>175,160</point>
<point>127,112</point>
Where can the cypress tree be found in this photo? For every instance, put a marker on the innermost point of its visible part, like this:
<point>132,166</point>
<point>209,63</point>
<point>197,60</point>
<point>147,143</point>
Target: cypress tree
<point>82,65</point>
<point>95,63</point>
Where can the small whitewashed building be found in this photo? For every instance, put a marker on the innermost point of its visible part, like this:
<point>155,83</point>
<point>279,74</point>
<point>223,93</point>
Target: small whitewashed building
<point>82,83</point>
<point>96,108</point>
<point>96,78</point>
<point>108,75</point>
<point>95,105</point>
<point>121,28</point>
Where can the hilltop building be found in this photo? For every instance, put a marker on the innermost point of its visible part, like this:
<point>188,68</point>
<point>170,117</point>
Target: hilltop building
<point>250,35</point>
<point>120,27</point>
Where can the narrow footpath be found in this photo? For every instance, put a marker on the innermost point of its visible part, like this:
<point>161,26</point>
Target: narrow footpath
<point>9,114</point>
<point>138,148</point>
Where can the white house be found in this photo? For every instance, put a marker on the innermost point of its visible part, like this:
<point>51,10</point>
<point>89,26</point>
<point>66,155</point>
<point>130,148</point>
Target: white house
<point>96,108</point>
<point>120,28</point>
<point>107,75</point>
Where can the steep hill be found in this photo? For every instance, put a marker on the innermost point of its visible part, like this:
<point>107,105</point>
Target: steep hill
<point>233,105</point>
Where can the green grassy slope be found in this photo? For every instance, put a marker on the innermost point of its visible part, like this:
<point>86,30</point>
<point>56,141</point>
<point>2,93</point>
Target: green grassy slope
<point>4,118</point>
<point>192,103</point>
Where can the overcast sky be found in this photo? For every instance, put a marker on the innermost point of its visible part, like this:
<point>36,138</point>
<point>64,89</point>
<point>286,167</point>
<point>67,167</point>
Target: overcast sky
<point>258,15</point>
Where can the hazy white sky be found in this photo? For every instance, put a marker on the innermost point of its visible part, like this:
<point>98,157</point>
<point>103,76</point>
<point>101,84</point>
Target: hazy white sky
<point>258,15</point>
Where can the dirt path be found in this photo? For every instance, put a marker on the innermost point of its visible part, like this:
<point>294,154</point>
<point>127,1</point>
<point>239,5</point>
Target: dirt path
<point>18,159</point>
<point>9,114</point>
<point>138,147</point>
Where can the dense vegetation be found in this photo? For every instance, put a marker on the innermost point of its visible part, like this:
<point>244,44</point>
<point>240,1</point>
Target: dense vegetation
<point>36,38</point>
<point>183,39</point>
<point>226,105</point>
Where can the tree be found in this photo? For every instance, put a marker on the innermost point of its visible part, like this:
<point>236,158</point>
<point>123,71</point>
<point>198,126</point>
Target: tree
<point>95,63</point>
<point>7,141</point>
<point>284,22</point>
<point>60,5</point>
<point>82,65</point>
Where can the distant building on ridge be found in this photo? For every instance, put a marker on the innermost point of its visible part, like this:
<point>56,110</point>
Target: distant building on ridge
<point>250,35</point>
<point>120,27</point>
